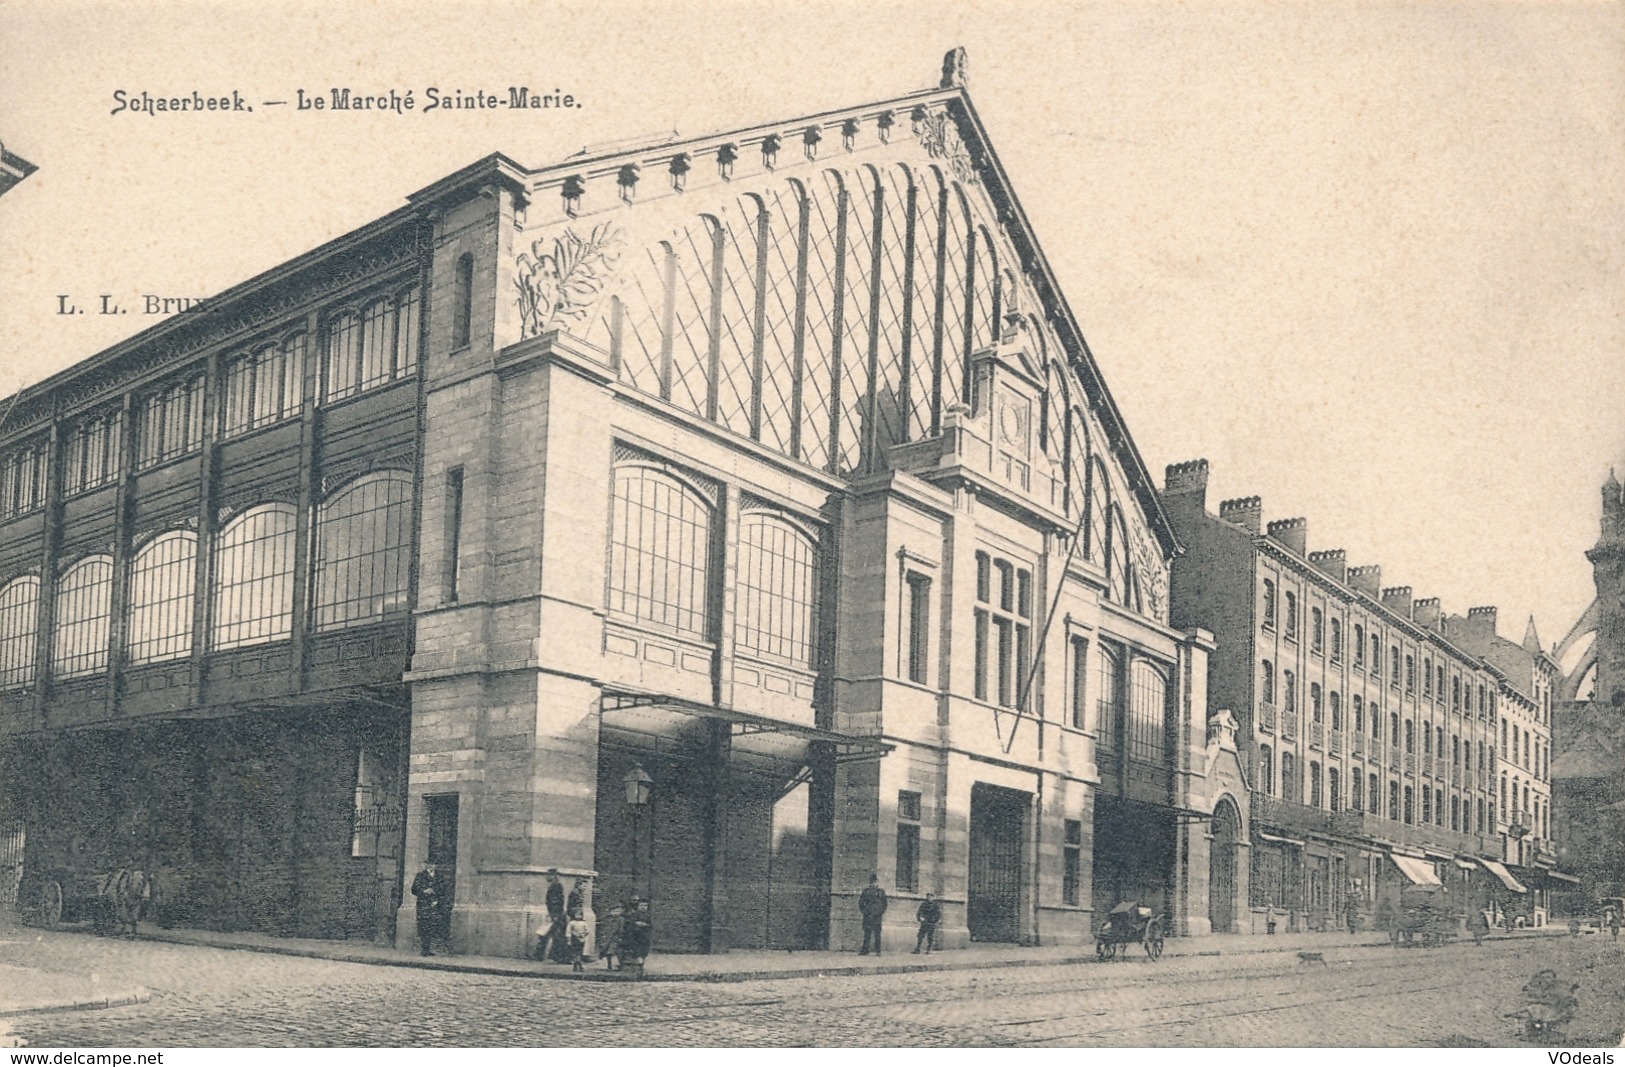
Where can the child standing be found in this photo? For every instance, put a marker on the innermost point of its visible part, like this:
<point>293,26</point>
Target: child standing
<point>609,938</point>
<point>577,931</point>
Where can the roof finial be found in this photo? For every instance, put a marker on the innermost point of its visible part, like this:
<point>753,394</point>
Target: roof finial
<point>955,70</point>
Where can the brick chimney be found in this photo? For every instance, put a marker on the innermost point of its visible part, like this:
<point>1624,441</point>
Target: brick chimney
<point>1397,599</point>
<point>1425,612</point>
<point>1293,534</point>
<point>1185,484</point>
<point>1245,511</point>
<point>1332,561</point>
<point>1476,629</point>
<point>1367,579</point>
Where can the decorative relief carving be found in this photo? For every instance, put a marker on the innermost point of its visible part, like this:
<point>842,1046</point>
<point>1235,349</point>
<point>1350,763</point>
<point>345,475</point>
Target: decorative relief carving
<point>939,135</point>
<point>560,283</point>
<point>1153,576</point>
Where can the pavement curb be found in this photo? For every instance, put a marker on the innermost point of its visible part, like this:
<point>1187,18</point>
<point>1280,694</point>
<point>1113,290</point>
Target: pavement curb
<point>139,995</point>
<point>1246,946</point>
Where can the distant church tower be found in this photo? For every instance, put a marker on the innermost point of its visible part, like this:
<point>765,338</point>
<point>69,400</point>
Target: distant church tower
<point>1601,672</point>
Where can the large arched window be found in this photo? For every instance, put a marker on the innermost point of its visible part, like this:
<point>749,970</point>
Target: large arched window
<point>363,550</point>
<point>660,549</point>
<point>776,579</point>
<point>19,630</point>
<point>1108,695</point>
<point>84,608</point>
<point>1148,714</point>
<point>1118,581</point>
<point>163,577</point>
<point>253,592</point>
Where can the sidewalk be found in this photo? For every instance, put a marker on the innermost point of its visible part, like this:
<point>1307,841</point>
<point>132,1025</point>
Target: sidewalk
<point>27,990</point>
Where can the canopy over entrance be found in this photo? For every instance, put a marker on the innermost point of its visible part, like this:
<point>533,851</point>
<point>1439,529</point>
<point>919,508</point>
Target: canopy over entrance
<point>849,748</point>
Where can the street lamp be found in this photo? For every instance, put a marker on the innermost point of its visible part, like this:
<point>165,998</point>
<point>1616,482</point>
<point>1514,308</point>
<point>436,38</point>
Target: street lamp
<point>639,789</point>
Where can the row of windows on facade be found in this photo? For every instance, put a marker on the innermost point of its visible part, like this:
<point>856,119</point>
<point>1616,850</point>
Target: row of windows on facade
<point>361,349</point>
<point>830,319</point>
<point>1433,678</point>
<point>1291,789</point>
<point>906,871</point>
<point>360,570</point>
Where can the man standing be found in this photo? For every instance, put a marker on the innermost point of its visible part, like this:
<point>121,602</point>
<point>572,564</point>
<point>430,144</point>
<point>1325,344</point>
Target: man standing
<point>552,946</point>
<point>872,906</point>
<point>929,916</point>
<point>426,887</point>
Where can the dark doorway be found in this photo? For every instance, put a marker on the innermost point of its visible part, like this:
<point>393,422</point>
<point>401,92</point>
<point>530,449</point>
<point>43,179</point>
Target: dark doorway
<point>1221,885</point>
<point>443,841</point>
<point>997,830</point>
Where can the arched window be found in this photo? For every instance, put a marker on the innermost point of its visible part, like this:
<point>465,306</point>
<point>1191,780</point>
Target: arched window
<point>1289,692</point>
<point>1393,666</point>
<point>1410,736</point>
<point>1427,740</point>
<point>1337,639</point>
<point>1393,722</point>
<point>1148,717</point>
<point>1336,702</point>
<point>1317,629</point>
<point>1292,614</point>
<point>462,301</point>
<point>1289,778</point>
<point>363,550</point>
<point>776,579</point>
<point>1374,796</point>
<point>1108,696</point>
<point>660,550</point>
<point>19,630</point>
<point>1427,677</point>
<point>1393,800</point>
<point>1118,581</point>
<point>1427,805</point>
<point>1359,714</point>
<point>1267,683</point>
<point>1269,604</point>
<point>1438,807</point>
<point>1334,788</point>
<point>84,603</point>
<point>1099,506</point>
<point>1316,798</point>
<point>1266,770</point>
<point>253,589</point>
<point>1455,813</point>
<point>1359,645</point>
<point>1410,804</point>
<point>1376,654</point>
<point>1315,711</point>
<point>163,585</point>
<point>372,348</point>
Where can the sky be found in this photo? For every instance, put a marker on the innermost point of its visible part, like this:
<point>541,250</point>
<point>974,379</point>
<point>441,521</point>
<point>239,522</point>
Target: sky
<point>1366,258</point>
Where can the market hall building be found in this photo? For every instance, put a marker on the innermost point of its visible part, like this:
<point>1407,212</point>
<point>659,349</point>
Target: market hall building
<point>719,521</point>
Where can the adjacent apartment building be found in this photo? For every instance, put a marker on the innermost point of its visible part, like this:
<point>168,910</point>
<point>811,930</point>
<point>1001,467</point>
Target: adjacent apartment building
<point>718,521</point>
<point>1372,736</point>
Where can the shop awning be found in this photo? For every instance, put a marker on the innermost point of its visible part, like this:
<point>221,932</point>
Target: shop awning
<point>1466,865</point>
<point>1561,877</point>
<point>1278,840</point>
<point>849,748</point>
<point>1420,872</point>
<point>1504,875</point>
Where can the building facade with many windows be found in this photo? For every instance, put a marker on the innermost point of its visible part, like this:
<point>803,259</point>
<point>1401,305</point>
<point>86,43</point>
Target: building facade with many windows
<point>1371,736</point>
<point>716,522</point>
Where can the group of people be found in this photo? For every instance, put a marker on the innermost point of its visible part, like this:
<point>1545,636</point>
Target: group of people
<point>872,904</point>
<point>624,936</point>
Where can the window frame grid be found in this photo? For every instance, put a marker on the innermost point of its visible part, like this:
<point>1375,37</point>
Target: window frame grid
<point>269,592</point>
<point>84,615</point>
<point>648,582</point>
<point>163,590</point>
<point>776,583</point>
<point>19,631</point>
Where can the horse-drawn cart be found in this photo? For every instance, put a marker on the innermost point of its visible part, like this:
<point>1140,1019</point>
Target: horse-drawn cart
<point>111,901</point>
<point>1129,923</point>
<point>1425,916</point>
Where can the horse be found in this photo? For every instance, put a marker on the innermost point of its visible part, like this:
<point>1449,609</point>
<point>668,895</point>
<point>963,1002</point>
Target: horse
<point>123,895</point>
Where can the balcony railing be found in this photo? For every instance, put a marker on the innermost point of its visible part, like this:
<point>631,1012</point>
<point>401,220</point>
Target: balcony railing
<point>1317,733</point>
<point>1337,743</point>
<point>1359,745</point>
<point>1289,723</point>
<point>1266,717</point>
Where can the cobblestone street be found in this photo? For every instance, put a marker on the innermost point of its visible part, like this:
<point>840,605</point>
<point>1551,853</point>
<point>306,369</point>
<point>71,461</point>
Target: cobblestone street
<point>1362,996</point>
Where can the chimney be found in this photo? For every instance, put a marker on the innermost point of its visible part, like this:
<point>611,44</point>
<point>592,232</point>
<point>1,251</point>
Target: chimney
<point>1333,562</point>
<point>1246,512</point>
<point>1367,579</point>
<point>1292,533</point>
<point>1188,481</point>
<point>1426,612</point>
<point>1397,599</point>
<point>1475,630</point>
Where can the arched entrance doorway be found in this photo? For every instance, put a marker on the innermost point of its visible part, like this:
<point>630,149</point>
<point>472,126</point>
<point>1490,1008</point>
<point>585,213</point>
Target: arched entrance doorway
<point>1221,879</point>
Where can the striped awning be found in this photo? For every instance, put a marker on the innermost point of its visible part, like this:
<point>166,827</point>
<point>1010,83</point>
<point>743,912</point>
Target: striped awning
<point>1276,839</point>
<point>1418,871</point>
<point>1504,875</point>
